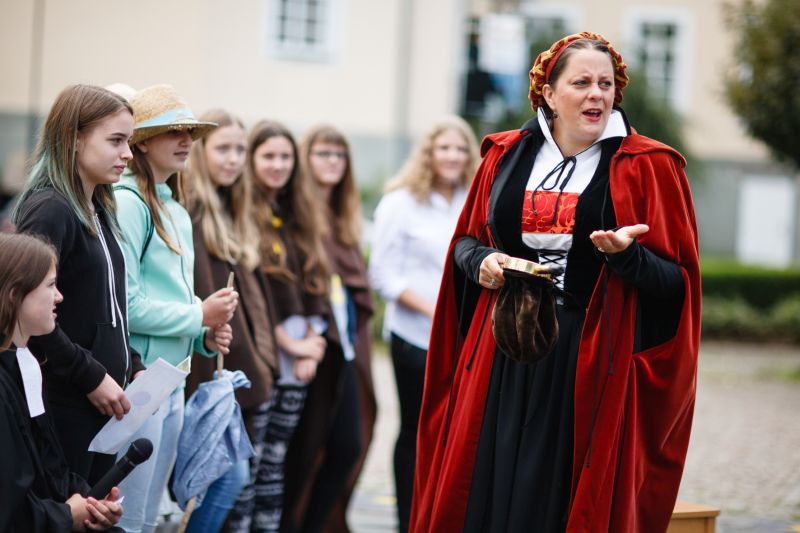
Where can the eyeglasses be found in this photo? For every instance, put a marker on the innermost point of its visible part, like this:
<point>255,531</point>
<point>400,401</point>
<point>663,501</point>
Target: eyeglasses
<point>178,131</point>
<point>325,154</point>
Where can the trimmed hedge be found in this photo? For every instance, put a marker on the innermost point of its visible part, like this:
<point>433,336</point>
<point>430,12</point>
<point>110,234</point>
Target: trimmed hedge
<point>742,302</point>
<point>736,320</point>
<point>760,287</point>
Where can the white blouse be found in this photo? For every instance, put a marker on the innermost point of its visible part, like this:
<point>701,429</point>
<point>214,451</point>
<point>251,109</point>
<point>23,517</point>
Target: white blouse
<point>409,247</point>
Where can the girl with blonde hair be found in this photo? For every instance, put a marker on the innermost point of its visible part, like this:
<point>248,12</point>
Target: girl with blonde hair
<point>226,241</point>
<point>420,175</point>
<point>413,225</point>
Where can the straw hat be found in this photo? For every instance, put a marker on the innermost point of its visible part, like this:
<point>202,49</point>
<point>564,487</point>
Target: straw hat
<point>158,109</point>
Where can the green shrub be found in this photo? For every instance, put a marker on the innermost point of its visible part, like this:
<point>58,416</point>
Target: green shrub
<point>377,319</point>
<point>736,319</point>
<point>733,319</point>
<point>760,287</point>
<point>785,319</point>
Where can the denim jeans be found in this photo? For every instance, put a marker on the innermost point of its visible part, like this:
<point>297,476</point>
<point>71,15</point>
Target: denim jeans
<point>144,486</point>
<point>221,495</point>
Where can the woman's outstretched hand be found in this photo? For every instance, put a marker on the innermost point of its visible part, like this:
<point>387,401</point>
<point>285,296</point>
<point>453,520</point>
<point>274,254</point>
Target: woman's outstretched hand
<point>491,271</point>
<point>614,242</point>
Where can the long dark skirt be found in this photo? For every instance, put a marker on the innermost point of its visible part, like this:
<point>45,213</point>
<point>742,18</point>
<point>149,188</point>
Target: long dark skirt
<point>523,467</point>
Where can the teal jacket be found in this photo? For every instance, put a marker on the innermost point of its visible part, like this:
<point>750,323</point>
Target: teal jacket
<point>165,318</point>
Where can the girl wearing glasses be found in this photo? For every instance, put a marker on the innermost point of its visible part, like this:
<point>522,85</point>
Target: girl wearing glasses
<point>340,410</point>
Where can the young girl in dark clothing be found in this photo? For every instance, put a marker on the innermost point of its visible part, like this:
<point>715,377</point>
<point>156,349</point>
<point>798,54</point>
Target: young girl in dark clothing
<point>40,493</point>
<point>68,200</point>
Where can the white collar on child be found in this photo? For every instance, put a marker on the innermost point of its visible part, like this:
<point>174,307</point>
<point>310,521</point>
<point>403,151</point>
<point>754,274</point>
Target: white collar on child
<point>31,381</point>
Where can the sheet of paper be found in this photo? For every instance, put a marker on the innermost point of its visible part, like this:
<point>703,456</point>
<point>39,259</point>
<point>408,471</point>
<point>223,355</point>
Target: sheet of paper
<point>146,394</point>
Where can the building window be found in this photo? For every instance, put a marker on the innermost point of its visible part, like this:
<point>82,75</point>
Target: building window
<point>501,50</point>
<point>301,29</point>
<point>658,43</point>
<point>544,31</point>
<point>656,57</point>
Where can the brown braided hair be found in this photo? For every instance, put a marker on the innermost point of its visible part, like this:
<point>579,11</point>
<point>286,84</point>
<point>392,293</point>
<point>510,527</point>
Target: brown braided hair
<point>542,71</point>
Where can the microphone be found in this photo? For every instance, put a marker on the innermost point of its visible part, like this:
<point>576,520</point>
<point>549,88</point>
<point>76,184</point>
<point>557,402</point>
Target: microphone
<point>139,452</point>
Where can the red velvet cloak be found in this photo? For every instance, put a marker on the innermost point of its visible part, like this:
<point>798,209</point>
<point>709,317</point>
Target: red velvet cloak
<point>629,481</point>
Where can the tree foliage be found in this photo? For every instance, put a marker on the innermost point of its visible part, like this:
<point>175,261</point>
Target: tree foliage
<point>651,115</point>
<point>763,88</point>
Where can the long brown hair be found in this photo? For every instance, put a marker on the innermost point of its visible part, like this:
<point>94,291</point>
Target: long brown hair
<point>77,109</point>
<point>300,209</point>
<point>226,215</point>
<point>26,262</point>
<point>345,204</point>
<point>145,180</point>
<point>417,174</point>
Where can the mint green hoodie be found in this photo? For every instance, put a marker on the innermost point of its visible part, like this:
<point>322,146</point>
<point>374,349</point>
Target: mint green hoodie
<point>165,318</point>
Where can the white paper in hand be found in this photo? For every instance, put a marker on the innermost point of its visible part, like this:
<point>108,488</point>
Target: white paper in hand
<point>146,394</point>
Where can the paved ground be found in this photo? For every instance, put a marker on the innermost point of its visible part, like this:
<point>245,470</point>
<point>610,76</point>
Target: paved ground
<point>744,456</point>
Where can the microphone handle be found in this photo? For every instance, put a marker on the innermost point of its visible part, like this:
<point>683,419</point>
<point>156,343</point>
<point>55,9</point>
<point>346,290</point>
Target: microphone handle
<point>112,478</point>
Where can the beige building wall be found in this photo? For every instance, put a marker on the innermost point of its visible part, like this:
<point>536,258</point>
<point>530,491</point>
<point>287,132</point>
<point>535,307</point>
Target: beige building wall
<point>16,26</point>
<point>394,65</point>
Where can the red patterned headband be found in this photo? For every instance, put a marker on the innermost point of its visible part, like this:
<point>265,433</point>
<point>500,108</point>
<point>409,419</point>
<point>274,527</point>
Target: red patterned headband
<point>543,66</point>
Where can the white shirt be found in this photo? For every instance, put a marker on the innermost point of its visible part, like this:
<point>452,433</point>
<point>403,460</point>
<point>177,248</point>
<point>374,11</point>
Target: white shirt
<point>341,315</point>
<point>409,247</point>
<point>296,327</point>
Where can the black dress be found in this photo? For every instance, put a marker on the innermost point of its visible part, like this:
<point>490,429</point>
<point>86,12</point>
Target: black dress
<point>35,480</point>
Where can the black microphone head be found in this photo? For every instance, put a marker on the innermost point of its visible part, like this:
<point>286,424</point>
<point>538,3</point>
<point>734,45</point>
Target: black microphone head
<point>139,451</point>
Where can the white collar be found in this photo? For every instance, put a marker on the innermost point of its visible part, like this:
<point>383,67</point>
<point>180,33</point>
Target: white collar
<point>31,380</point>
<point>615,127</point>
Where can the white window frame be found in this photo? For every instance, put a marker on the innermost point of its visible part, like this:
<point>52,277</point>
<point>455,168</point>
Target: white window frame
<point>570,14</point>
<point>329,32</point>
<point>679,96</point>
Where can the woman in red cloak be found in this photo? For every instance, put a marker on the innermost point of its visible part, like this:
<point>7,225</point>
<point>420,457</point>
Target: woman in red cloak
<point>593,437</point>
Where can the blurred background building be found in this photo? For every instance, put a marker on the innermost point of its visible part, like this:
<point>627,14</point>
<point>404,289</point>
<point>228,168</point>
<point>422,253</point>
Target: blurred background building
<point>383,70</point>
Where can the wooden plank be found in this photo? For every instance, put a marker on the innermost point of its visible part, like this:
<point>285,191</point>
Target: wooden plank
<point>693,518</point>
<point>691,525</point>
<point>693,510</point>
